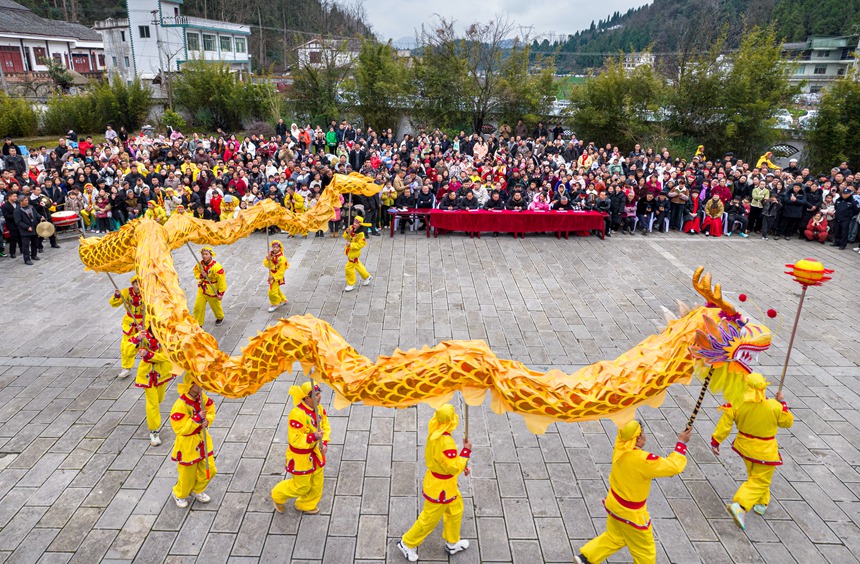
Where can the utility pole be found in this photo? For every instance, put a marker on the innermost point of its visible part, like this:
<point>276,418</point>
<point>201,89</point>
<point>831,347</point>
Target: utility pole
<point>165,80</point>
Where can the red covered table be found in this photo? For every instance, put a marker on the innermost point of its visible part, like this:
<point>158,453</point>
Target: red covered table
<point>517,222</point>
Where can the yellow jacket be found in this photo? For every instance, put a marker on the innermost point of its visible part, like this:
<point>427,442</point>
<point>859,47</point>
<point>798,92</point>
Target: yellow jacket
<point>354,244</point>
<point>186,167</point>
<point>757,424</point>
<point>213,283</point>
<point>186,418</point>
<point>765,160</point>
<point>135,304</point>
<point>157,213</point>
<point>303,454</point>
<point>444,464</point>
<point>295,203</point>
<point>155,367</point>
<point>277,266</point>
<point>630,482</point>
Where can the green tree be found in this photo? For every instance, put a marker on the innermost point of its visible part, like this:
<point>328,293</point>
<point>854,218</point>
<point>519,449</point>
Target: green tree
<point>523,94</point>
<point>618,106</point>
<point>835,134</point>
<point>17,117</point>
<point>379,86</point>
<point>122,104</point>
<point>215,97</point>
<point>439,80</point>
<point>316,90</point>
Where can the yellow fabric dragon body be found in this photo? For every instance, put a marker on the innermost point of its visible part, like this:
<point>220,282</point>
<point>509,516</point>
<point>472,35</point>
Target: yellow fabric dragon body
<point>607,389</point>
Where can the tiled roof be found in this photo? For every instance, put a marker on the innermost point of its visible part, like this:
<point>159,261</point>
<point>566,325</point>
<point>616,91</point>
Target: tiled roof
<point>15,18</point>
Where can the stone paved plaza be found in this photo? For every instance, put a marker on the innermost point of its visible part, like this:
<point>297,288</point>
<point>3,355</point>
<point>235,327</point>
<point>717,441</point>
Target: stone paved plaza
<point>79,481</point>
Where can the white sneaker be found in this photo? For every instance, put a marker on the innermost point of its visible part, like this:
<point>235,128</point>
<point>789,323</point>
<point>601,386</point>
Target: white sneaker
<point>857,249</point>
<point>410,553</point>
<point>202,497</point>
<point>272,308</point>
<point>154,439</point>
<point>180,502</point>
<point>124,373</point>
<point>458,546</point>
<point>367,281</point>
<point>349,288</point>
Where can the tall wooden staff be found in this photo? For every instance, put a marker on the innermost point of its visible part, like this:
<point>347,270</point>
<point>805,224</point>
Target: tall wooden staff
<point>199,264</point>
<point>806,272</point>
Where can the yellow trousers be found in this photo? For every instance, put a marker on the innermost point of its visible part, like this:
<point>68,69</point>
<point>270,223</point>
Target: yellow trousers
<point>89,218</point>
<point>350,269</point>
<point>200,307</point>
<point>154,397</point>
<point>306,489</point>
<point>276,296</point>
<point>193,478</point>
<point>617,536</point>
<point>451,515</point>
<point>128,352</point>
<point>757,487</point>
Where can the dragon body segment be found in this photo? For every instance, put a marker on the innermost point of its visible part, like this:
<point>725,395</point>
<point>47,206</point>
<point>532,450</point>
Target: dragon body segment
<point>606,389</point>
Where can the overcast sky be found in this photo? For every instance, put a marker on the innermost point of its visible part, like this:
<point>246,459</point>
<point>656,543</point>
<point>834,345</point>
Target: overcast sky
<point>394,19</point>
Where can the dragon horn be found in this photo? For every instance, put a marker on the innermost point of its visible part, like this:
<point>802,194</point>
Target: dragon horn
<point>702,284</point>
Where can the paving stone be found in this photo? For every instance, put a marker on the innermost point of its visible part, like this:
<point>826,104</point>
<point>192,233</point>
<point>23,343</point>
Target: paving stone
<point>310,543</point>
<point>252,534</point>
<point>94,547</point>
<point>193,532</point>
<point>216,548</point>
<point>493,539</point>
<point>74,532</point>
<point>33,546</point>
<point>132,536</point>
<point>371,539</point>
<point>554,542</point>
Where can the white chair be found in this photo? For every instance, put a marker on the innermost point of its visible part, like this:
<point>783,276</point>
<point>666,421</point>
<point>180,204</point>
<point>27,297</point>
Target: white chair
<point>651,223</point>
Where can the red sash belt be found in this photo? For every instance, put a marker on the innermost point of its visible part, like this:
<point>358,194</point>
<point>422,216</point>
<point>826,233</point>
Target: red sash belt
<point>442,476</point>
<point>301,450</point>
<point>634,505</point>
<point>747,435</point>
<point>194,432</point>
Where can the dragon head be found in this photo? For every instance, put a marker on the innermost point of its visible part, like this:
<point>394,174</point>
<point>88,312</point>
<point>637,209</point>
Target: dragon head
<point>727,339</point>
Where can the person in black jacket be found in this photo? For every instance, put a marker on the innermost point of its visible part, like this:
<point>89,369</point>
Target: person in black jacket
<point>27,218</point>
<point>814,198</point>
<point>793,204</point>
<point>15,162</point>
<point>604,206</point>
<point>405,201</point>
<point>495,202</point>
<point>617,199</point>
<point>644,209</point>
<point>470,202</point>
<point>371,211</point>
<point>846,208</point>
<point>517,202</point>
<point>449,202</point>
<point>424,201</point>
<point>561,205</point>
<point>8,210</point>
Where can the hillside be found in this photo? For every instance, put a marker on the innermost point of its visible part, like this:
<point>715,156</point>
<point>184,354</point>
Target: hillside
<point>672,25</point>
<point>300,19</point>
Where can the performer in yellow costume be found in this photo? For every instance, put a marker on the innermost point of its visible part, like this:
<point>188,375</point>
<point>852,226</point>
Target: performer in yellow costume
<point>211,285</point>
<point>355,241</point>
<point>153,374</point>
<point>758,419</point>
<point>765,160</point>
<point>191,416</point>
<point>442,499</point>
<point>155,211</point>
<point>130,325</point>
<point>277,264</point>
<point>306,453</point>
<point>228,206</point>
<point>628,522</point>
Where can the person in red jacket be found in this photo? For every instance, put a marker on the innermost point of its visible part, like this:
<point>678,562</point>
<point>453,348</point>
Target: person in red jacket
<point>816,229</point>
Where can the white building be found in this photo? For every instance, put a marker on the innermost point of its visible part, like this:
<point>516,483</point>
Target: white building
<point>28,42</point>
<point>820,60</point>
<point>156,37</point>
<point>634,60</point>
<point>319,52</point>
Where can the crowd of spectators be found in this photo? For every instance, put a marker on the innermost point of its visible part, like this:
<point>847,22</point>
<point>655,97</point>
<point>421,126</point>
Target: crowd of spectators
<point>639,190</point>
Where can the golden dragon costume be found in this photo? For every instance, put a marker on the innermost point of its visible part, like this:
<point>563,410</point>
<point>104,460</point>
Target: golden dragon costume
<point>607,389</point>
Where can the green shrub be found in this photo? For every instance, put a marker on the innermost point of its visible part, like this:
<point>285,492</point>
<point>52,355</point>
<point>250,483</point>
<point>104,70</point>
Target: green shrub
<point>17,117</point>
<point>172,119</point>
<point>121,104</point>
<point>216,97</point>
<point>70,112</point>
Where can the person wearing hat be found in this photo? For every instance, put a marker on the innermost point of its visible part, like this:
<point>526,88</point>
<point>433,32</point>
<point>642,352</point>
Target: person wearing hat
<point>155,211</point>
<point>306,453</point>
<point>133,300</point>
<point>355,241</point>
<point>191,416</point>
<point>757,419</point>
<point>628,522</point>
<point>211,285</point>
<point>153,374</point>
<point>277,264</point>
<point>442,499</point>
<point>845,209</point>
<point>228,207</point>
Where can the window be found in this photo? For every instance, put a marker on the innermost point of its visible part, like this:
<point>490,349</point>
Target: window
<point>193,41</point>
<point>820,69</point>
<point>240,44</point>
<point>841,72</point>
<point>226,44</point>
<point>122,36</point>
<point>144,31</point>
<point>815,89</point>
<point>40,54</point>
<point>126,61</point>
<point>176,12</point>
<point>316,57</point>
<point>824,54</point>
<point>113,60</point>
<point>101,60</point>
<point>208,42</point>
